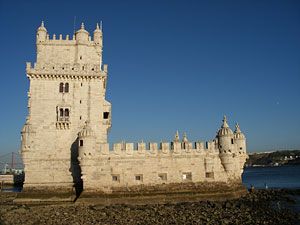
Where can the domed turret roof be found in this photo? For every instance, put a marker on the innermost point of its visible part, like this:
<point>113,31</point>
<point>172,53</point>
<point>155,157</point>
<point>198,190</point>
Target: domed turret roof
<point>86,130</point>
<point>42,27</point>
<point>82,30</point>
<point>98,29</point>
<point>225,130</point>
<point>238,133</point>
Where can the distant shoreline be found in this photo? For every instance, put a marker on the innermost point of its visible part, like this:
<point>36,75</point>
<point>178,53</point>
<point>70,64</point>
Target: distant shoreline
<point>277,158</point>
<point>264,166</point>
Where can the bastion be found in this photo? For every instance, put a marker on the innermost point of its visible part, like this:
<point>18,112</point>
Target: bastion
<point>64,140</point>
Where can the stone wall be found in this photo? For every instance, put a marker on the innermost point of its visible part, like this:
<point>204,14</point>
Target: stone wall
<point>166,163</point>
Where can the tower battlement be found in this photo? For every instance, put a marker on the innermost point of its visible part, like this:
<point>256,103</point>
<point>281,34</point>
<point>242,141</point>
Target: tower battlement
<point>81,52</point>
<point>65,40</point>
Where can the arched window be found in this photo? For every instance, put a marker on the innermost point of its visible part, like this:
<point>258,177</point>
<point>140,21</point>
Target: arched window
<point>61,87</point>
<point>66,112</point>
<point>61,112</point>
<point>66,87</point>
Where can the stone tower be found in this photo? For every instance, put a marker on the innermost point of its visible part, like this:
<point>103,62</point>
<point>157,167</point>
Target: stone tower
<point>66,95</point>
<point>64,139</point>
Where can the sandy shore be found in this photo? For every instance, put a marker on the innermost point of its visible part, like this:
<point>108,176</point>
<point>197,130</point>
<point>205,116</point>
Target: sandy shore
<point>259,207</point>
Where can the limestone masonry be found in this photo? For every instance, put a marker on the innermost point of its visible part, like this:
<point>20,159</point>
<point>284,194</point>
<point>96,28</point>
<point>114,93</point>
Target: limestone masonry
<point>64,139</point>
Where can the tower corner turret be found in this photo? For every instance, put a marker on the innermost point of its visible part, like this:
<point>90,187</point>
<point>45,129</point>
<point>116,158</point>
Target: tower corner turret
<point>98,38</point>
<point>41,33</point>
<point>82,36</point>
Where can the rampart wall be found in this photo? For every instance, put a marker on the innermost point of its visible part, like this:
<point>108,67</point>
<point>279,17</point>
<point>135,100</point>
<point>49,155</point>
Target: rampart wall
<point>129,164</point>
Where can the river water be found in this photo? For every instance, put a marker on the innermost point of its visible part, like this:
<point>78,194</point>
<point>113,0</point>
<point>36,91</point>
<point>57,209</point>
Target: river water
<point>275,177</point>
<point>272,177</point>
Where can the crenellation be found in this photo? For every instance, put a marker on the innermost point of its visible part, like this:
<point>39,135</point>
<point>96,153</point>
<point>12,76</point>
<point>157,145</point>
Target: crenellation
<point>129,148</point>
<point>165,147</point>
<point>66,41</point>
<point>141,147</point>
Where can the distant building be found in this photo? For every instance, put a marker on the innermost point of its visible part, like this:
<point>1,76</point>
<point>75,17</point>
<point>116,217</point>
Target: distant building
<point>64,139</point>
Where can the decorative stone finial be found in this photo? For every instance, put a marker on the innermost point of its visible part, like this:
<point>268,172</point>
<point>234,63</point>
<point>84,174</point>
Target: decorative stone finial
<point>225,124</point>
<point>176,139</point>
<point>238,133</point>
<point>184,139</point>
<point>82,26</point>
<point>237,128</point>
<point>97,26</point>
<point>42,27</point>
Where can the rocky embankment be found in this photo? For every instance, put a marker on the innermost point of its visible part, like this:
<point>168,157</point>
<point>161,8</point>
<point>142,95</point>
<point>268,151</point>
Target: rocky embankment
<point>258,207</point>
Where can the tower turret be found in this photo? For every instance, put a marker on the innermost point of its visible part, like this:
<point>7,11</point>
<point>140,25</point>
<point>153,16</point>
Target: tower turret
<point>86,149</point>
<point>41,33</point>
<point>98,39</point>
<point>86,141</point>
<point>226,148</point>
<point>240,140</point>
<point>82,36</point>
<point>225,137</point>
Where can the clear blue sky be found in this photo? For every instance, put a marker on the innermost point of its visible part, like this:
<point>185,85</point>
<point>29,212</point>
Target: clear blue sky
<point>172,65</point>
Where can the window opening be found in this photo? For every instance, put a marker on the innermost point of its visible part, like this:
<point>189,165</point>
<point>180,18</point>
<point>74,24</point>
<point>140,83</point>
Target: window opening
<point>162,176</point>
<point>115,178</point>
<point>61,112</point>
<point>105,115</point>
<point>187,176</point>
<point>80,142</point>
<point>61,87</point>
<point>209,175</point>
<point>66,87</point>
<point>139,177</point>
<point>66,112</point>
